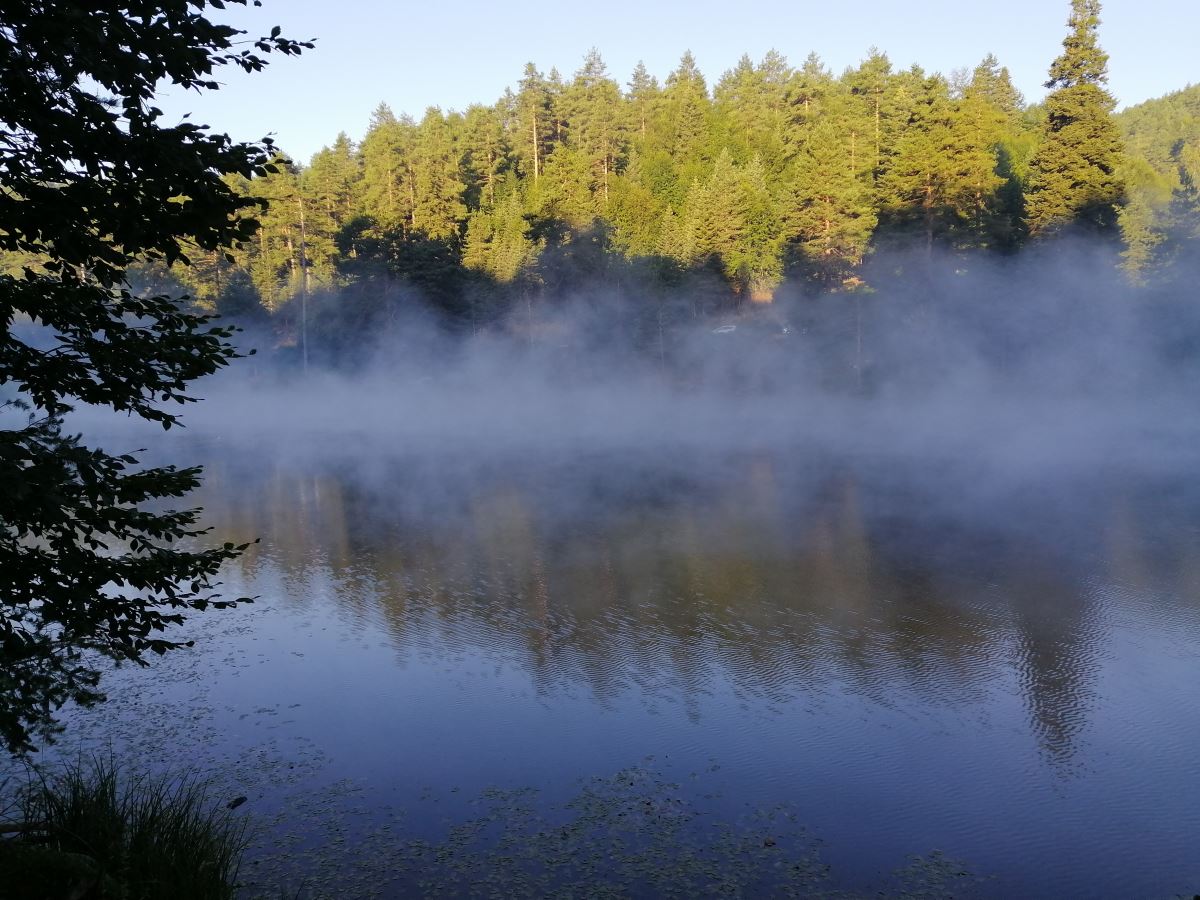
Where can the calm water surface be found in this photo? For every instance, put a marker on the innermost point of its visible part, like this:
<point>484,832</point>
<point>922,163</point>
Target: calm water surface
<point>911,656</point>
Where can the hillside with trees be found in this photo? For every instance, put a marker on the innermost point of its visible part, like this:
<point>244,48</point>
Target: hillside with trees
<point>775,182</point>
<point>1160,219</point>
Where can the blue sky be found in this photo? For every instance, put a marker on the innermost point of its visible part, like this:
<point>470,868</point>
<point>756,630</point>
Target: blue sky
<point>414,55</point>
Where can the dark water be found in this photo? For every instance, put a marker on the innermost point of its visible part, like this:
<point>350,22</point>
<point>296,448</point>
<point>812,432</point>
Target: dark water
<point>908,655</point>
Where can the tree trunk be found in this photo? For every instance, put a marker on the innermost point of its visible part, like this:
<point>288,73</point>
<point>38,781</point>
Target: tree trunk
<point>303,288</point>
<point>876,169</point>
<point>536,159</point>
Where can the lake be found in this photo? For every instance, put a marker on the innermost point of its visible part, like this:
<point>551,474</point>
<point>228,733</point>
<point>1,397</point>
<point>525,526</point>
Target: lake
<point>834,654</point>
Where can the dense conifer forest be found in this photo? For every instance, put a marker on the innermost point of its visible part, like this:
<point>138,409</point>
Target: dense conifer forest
<point>687,200</point>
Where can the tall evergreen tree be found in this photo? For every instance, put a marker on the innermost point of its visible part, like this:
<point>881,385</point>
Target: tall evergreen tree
<point>676,238</point>
<point>387,191</point>
<point>807,90</point>
<point>592,107</point>
<point>439,208</point>
<point>329,187</point>
<point>993,104</point>
<point>831,216</point>
<point>1181,240</point>
<point>531,125</point>
<point>715,208</point>
<point>555,88</point>
<point>731,223</point>
<point>333,176</point>
<point>992,83</point>
<point>643,94</point>
<point>735,107</point>
<point>758,257</point>
<point>870,83</point>
<point>1147,193</point>
<point>942,181</point>
<point>486,153</point>
<point>274,260</point>
<point>687,111</point>
<point>751,109</point>
<point>1160,222</point>
<point>567,194</point>
<point>1074,179</point>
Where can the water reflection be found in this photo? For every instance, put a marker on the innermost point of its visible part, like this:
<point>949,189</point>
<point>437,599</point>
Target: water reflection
<point>763,574</point>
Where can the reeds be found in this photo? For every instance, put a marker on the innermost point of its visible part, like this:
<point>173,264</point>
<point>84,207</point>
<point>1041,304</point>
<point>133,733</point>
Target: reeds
<point>146,837</point>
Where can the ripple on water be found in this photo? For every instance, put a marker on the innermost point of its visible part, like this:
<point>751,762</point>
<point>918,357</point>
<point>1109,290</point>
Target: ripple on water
<point>905,671</point>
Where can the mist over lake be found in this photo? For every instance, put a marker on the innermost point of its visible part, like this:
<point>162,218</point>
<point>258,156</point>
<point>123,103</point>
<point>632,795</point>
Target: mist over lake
<point>773,485</point>
<point>954,615</point>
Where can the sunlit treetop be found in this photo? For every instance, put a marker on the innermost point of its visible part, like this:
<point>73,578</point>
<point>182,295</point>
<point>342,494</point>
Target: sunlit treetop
<point>1082,60</point>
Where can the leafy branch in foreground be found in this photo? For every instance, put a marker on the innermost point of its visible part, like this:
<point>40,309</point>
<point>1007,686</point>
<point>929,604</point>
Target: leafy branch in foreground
<point>91,183</point>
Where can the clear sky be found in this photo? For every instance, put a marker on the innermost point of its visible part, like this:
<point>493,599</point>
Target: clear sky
<point>412,55</point>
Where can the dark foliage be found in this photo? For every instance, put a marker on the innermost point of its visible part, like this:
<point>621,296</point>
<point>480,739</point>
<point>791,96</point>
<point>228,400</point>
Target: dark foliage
<point>91,182</point>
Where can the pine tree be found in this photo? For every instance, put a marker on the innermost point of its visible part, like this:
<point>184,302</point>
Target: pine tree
<point>333,177</point>
<point>1147,194</point>
<point>643,96</point>
<point>531,124</point>
<point>439,209</point>
<point>735,107</point>
<point>807,90</point>
<point>676,240</point>
<point>751,109</point>
<point>513,253</point>
<point>987,193</point>
<point>1074,180</point>
<point>941,182</point>
<point>714,208</point>
<point>758,260</point>
<point>869,83</point>
<point>557,128</point>
<point>1161,221</point>
<point>1182,232</point>
<point>635,211</point>
<point>592,108</point>
<point>831,216</point>
<point>328,188</point>
<point>274,260</point>
<point>387,192</point>
<point>992,83</point>
<point>731,223</point>
<point>686,105</point>
<point>993,104</point>
<point>486,153</point>
<point>498,242</point>
<point>567,192</point>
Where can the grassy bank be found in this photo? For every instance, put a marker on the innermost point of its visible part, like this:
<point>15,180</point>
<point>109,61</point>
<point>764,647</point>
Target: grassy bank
<point>92,830</point>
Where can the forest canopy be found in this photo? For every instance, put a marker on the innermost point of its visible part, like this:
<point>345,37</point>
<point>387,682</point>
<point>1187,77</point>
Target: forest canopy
<point>775,177</point>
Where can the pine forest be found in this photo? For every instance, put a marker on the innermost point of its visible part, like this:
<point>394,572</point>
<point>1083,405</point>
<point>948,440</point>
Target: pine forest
<point>677,200</point>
